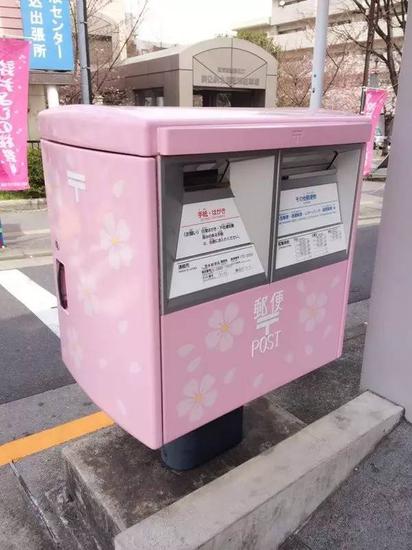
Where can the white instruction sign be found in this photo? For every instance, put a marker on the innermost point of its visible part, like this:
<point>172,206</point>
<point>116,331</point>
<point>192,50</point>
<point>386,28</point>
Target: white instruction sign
<point>208,226</point>
<point>308,208</point>
<point>313,244</point>
<point>215,269</point>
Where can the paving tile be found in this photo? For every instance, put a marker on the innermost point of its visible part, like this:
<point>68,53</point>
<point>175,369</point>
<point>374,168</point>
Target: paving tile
<point>372,509</point>
<point>324,390</point>
<point>38,412</point>
<point>44,475</point>
<point>294,543</point>
<point>20,529</point>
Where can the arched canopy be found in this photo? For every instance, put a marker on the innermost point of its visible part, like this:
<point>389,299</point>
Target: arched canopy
<point>221,63</point>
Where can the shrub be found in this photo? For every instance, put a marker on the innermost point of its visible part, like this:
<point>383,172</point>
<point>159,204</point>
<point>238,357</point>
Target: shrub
<point>36,179</point>
<point>36,176</point>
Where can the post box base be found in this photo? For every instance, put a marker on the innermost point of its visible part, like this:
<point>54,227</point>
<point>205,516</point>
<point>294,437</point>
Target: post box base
<point>204,443</point>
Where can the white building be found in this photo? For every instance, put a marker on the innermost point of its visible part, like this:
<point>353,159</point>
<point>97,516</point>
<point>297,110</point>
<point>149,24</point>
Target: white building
<point>292,22</point>
<point>291,25</point>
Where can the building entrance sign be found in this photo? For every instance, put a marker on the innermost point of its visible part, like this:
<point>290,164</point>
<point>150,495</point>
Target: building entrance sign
<point>228,67</point>
<point>48,25</point>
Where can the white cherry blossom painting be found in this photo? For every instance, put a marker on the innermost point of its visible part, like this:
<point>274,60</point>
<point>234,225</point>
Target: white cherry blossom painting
<point>314,311</point>
<point>226,325</point>
<point>198,395</point>
<point>114,239</point>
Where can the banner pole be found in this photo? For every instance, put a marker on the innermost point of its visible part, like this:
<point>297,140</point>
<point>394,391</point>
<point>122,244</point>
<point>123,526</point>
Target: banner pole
<point>319,53</point>
<point>84,55</point>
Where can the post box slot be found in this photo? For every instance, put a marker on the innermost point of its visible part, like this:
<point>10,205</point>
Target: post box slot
<point>297,162</point>
<point>317,189</point>
<point>61,284</point>
<point>216,216</point>
<point>199,180</point>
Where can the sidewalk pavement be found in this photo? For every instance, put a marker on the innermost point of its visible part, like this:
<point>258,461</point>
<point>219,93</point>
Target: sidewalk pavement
<point>372,508</point>
<point>26,234</point>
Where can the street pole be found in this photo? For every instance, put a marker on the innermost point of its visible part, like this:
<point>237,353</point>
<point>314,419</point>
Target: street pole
<point>319,53</point>
<point>369,47</point>
<point>84,56</point>
<point>388,350</point>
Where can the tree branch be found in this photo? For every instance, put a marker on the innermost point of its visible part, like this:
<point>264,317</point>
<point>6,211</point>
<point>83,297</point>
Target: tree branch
<point>131,33</point>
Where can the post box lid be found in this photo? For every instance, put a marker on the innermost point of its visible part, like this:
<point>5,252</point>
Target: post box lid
<point>149,131</point>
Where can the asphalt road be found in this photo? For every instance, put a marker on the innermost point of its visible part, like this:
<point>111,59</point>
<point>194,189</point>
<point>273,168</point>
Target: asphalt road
<point>30,360</point>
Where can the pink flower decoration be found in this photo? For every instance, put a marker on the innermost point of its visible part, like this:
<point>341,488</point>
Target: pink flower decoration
<point>314,312</point>
<point>226,325</point>
<point>197,397</point>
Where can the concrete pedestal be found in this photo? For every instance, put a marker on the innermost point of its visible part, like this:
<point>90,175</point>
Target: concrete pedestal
<point>117,482</point>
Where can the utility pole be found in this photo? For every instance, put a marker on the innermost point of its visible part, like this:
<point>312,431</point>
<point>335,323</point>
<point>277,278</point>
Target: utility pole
<point>319,53</point>
<point>369,47</point>
<point>388,350</point>
<point>84,55</point>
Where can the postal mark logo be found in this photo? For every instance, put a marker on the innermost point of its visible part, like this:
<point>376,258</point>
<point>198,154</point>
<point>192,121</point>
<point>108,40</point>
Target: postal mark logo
<point>266,313</point>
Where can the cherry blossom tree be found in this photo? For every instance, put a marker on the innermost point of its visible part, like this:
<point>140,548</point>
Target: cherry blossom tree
<point>108,43</point>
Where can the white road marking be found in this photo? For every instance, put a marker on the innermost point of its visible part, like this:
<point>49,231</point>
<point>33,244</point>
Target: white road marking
<point>38,300</point>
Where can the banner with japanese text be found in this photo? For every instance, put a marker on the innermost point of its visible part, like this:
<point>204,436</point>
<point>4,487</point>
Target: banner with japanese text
<point>374,102</point>
<point>14,90</point>
<point>47,24</point>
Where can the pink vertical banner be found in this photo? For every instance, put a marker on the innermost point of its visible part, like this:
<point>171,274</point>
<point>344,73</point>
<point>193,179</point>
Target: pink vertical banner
<point>14,91</point>
<point>374,101</point>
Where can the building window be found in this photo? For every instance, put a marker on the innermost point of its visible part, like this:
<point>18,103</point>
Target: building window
<point>151,97</point>
<point>287,29</point>
<point>293,1</point>
<point>339,22</point>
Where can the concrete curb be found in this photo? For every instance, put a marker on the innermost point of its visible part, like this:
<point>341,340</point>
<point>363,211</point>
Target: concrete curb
<point>258,504</point>
<point>22,204</point>
<point>21,255</point>
<point>21,263</point>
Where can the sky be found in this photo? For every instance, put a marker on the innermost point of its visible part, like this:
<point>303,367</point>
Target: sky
<point>186,21</point>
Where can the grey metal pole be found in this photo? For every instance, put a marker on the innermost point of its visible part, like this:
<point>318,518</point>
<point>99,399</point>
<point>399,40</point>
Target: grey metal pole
<point>388,350</point>
<point>319,53</point>
<point>369,46</point>
<point>84,56</point>
<point>369,43</point>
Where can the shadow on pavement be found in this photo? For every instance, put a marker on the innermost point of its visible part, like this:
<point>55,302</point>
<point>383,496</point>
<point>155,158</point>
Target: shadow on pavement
<point>363,263</point>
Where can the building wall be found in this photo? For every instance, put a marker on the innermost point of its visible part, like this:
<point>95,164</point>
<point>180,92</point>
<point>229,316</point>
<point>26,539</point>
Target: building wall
<point>292,29</point>
<point>109,19</point>
<point>295,22</point>
<point>37,103</point>
<point>295,10</point>
<point>10,18</point>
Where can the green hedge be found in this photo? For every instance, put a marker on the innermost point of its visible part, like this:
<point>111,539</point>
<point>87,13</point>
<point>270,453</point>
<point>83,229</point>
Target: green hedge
<point>36,179</point>
<point>36,176</point>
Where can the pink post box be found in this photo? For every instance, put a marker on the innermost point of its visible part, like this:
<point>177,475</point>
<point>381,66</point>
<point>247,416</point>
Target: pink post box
<point>203,256</point>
